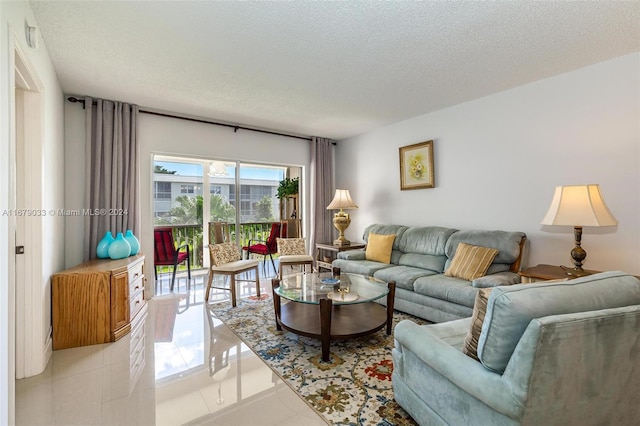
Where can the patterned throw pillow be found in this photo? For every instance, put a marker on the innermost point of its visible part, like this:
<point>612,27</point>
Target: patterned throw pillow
<point>473,335</point>
<point>470,262</point>
<point>224,253</point>
<point>291,246</point>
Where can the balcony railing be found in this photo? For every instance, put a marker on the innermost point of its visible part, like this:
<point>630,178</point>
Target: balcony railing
<point>192,235</point>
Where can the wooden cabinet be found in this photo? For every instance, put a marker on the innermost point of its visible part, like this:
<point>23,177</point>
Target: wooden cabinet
<point>97,301</point>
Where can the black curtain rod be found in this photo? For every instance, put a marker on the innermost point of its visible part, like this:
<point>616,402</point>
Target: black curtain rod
<point>198,120</point>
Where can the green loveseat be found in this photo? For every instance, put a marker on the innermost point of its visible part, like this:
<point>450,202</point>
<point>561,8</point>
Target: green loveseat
<point>564,353</point>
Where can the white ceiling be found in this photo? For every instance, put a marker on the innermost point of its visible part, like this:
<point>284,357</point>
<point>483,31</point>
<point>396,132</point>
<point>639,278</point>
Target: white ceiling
<point>331,69</point>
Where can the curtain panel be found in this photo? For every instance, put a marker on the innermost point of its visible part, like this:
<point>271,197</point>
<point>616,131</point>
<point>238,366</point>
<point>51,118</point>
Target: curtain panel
<point>322,187</point>
<point>112,171</point>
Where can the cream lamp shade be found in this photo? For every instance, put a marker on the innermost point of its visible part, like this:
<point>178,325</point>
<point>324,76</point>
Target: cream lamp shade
<point>341,220</point>
<point>578,206</point>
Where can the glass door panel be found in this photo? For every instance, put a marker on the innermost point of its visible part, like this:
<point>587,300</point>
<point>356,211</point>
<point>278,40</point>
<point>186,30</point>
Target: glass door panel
<point>177,203</point>
<point>259,206</point>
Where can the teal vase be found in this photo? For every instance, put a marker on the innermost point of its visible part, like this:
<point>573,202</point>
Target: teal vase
<point>102,250</point>
<point>120,248</point>
<point>133,242</point>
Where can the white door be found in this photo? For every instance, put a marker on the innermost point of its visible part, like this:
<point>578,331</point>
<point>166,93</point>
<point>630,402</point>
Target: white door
<point>26,226</point>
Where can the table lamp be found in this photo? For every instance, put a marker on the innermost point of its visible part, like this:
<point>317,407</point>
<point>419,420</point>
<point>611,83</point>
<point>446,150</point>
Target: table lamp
<point>341,220</point>
<point>578,206</point>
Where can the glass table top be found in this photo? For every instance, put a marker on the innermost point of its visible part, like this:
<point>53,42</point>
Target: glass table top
<point>343,289</point>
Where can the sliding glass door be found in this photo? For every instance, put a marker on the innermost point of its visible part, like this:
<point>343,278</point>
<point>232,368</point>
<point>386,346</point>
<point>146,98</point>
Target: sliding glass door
<point>241,194</point>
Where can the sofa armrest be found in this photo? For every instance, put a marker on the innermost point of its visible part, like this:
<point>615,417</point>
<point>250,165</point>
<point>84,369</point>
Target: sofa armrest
<point>464,372</point>
<point>352,255</point>
<point>497,279</point>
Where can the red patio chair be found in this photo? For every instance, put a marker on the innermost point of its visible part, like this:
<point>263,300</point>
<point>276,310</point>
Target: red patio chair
<point>265,248</point>
<point>166,254</point>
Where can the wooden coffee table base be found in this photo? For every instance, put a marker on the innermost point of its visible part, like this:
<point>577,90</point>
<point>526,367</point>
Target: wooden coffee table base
<point>327,321</point>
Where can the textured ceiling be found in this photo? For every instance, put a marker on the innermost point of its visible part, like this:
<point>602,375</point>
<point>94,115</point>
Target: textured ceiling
<point>332,69</point>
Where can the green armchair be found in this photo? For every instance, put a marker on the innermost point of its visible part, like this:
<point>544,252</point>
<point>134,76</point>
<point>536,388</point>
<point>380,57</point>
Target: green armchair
<point>559,353</point>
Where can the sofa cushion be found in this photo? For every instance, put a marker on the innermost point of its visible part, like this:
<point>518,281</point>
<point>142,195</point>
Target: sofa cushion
<point>404,276</point>
<point>445,288</point>
<point>511,308</point>
<point>362,267</point>
<point>477,318</point>
<point>508,244</point>
<point>379,229</point>
<point>430,240</point>
<point>424,261</point>
<point>358,254</point>
<point>379,247</point>
<point>470,262</point>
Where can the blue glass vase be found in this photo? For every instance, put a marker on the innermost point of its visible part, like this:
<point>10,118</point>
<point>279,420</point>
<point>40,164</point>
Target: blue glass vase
<point>120,248</point>
<point>102,249</point>
<point>133,242</point>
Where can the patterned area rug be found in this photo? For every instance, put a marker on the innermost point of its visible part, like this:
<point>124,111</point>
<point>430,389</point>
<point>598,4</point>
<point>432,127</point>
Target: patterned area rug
<point>353,388</point>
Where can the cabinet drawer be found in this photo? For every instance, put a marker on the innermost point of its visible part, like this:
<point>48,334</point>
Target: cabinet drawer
<point>136,286</point>
<point>136,344</point>
<point>135,271</point>
<point>137,350</point>
<point>137,302</point>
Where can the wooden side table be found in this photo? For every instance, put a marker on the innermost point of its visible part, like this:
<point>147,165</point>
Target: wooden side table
<point>545,273</point>
<point>327,252</point>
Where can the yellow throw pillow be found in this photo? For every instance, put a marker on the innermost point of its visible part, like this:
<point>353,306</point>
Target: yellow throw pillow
<point>470,262</point>
<point>470,347</point>
<point>379,247</point>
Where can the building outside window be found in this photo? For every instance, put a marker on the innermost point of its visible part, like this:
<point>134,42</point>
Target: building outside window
<point>162,190</point>
<point>187,189</point>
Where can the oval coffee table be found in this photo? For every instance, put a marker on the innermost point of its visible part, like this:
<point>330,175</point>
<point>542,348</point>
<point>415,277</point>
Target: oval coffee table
<point>330,308</point>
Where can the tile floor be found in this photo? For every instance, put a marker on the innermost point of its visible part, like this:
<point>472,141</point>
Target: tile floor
<point>193,370</point>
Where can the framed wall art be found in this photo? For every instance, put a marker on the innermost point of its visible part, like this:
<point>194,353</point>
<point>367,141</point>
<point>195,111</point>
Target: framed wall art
<point>416,166</point>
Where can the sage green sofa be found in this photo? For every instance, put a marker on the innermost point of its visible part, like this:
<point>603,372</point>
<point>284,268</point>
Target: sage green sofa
<point>564,353</point>
<point>419,257</point>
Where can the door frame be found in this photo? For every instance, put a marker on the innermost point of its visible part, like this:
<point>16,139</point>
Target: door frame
<point>32,331</point>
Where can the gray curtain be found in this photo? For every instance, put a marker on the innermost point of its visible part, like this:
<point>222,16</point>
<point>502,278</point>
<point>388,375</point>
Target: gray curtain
<point>111,171</point>
<point>322,191</point>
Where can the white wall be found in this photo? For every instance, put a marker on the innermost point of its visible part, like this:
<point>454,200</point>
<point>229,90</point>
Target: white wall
<point>498,159</point>
<point>171,136</point>
<point>13,17</point>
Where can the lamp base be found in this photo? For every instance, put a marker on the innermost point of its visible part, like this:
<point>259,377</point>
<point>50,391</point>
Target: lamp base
<point>341,221</point>
<point>575,272</point>
<point>341,243</point>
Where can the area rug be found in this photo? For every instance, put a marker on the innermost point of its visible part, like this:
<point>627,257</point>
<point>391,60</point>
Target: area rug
<point>353,388</point>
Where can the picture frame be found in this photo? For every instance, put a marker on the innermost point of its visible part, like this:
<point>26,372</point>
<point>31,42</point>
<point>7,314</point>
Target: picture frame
<point>416,166</point>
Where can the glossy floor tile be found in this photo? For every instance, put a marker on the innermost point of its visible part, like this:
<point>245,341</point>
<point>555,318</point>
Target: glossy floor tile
<point>182,366</point>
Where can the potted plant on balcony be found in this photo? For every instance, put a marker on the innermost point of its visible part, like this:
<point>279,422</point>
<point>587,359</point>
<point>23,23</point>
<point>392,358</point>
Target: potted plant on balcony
<point>288,188</point>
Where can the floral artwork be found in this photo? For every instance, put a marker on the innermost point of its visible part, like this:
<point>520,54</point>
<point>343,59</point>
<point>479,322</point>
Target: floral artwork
<point>416,166</point>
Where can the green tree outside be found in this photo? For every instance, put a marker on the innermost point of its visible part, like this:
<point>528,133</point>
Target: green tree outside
<point>189,212</point>
<point>264,210</point>
<point>163,171</point>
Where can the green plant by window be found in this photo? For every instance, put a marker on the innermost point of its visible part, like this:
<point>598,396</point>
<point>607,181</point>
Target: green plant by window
<point>287,188</point>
